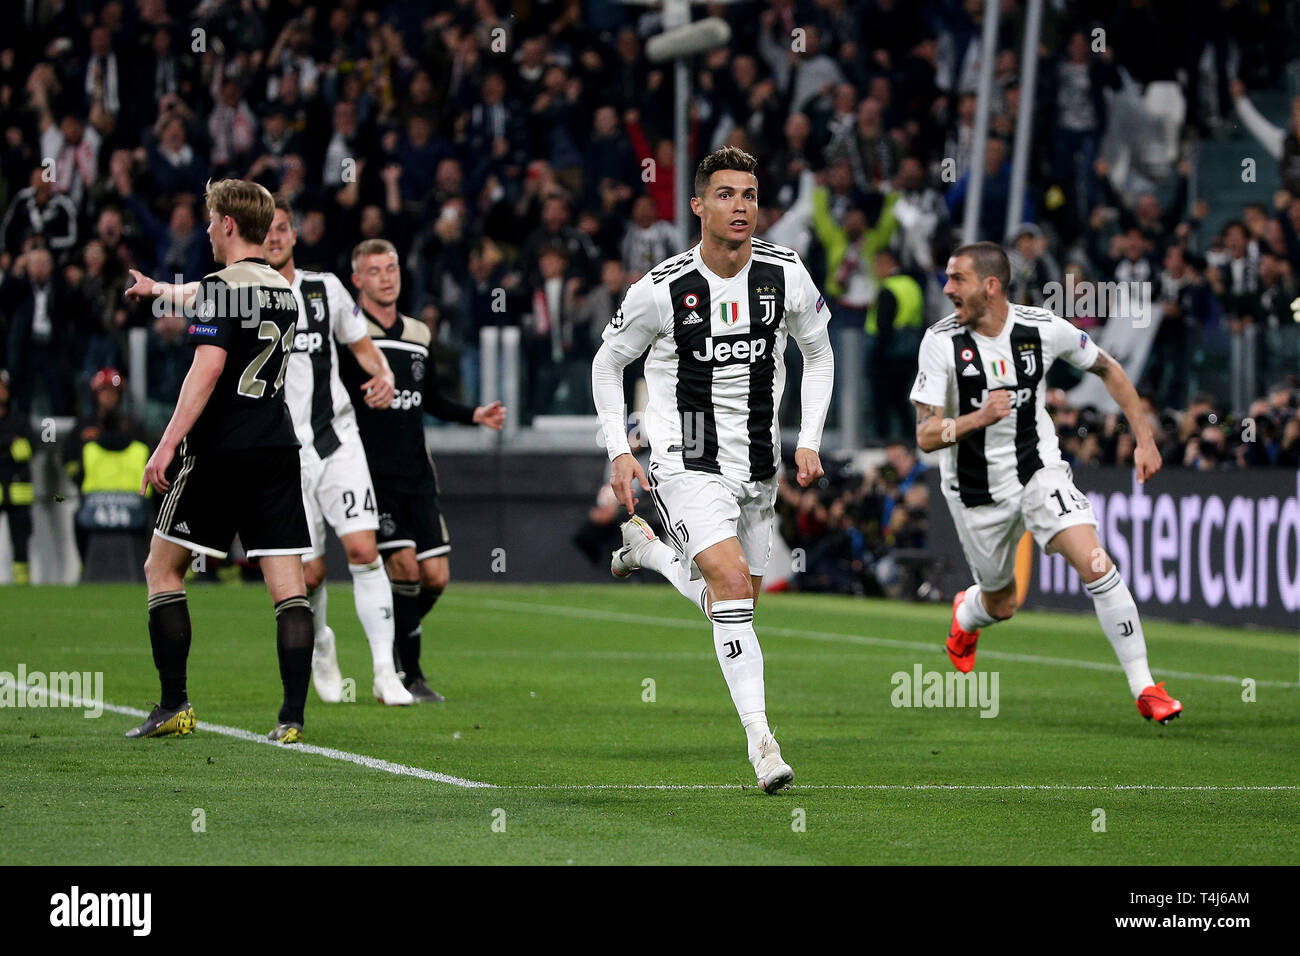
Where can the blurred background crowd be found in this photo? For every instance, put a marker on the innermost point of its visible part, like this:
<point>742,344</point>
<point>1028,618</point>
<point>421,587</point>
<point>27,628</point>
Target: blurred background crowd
<point>519,155</point>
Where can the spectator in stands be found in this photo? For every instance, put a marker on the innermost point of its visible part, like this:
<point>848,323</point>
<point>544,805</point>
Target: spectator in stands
<point>554,336</point>
<point>174,165</point>
<point>39,211</point>
<point>872,152</point>
<point>1073,93</point>
<point>648,241</point>
<point>1032,266</point>
<point>232,129</point>
<point>41,345</point>
<point>580,253</point>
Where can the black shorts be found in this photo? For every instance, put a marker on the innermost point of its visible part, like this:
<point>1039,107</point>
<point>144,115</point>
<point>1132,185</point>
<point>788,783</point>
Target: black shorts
<point>409,517</point>
<point>255,493</point>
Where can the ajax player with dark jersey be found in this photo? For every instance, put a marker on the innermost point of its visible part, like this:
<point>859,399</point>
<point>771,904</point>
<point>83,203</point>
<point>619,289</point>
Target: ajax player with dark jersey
<point>979,397</point>
<point>412,531</point>
<point>227,462</point>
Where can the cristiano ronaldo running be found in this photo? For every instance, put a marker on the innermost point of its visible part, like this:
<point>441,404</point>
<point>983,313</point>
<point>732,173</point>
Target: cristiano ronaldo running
<point>228,459</point>
<point>979,398</point>
<point>715,320</point>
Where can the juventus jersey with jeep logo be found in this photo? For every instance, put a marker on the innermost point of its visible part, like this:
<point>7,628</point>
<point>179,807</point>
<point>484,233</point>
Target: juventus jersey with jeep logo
<point>317,399</point>
<point>716,370</point>
<point>956,370</point>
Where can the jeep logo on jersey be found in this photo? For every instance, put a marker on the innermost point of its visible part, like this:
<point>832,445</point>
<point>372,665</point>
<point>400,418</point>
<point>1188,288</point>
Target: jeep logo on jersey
<point>731,353</point>
<point>1019,396</point>
<point>309,342</point>
<point>729,313</point>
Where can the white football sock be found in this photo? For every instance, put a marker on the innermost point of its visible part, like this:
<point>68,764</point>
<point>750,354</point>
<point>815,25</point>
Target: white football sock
<point>1119,619</point>
<point>971,615</point>
<point>374,599</point>
<point>318,599</point>
<point>657,556</point>
<point>741,660</point>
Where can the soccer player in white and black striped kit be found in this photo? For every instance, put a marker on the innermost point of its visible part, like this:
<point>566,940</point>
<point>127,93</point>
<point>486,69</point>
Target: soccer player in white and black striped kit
<point>715,320</point>
<point>336,485</point>
<point>979,396</point>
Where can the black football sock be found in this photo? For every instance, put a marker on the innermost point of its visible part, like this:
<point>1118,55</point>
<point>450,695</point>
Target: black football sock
<point>428,598</point>
<point>295,637</point>
<point>169,634</point>
<point>406,629</point>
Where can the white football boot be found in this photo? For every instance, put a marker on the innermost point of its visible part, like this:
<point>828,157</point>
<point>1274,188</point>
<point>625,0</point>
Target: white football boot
<point>325,673</point>
<point>773,772</point>
<point>388,690</point>
<point>636,535</point>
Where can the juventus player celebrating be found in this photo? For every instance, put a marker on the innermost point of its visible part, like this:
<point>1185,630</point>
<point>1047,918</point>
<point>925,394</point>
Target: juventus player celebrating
<point>979,397</point>
<point>412,532</point>
<point>335,480</point>
<point>228,460</point>
<point>715,319</point>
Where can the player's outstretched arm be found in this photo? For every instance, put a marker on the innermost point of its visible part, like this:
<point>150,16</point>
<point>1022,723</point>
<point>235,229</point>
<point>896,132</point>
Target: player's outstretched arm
<point>1146,457</point>
<point>197,388</point>
<point>933,431</point>
<point>379,388</point>
<point>177,296</point>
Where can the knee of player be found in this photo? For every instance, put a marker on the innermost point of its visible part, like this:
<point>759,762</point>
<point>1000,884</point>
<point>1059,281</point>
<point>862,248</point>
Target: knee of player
<point>1001,608</point>
<point>434,578</point>
<point>402,566</point>
<point>734,585</point>
<point>313,574</point>
<point>362,554</point>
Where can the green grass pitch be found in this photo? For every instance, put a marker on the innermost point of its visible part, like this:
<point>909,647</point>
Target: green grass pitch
<point>547,688</point>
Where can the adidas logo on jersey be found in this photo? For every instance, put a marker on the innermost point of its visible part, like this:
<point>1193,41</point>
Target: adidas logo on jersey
<point>693,319</point>
<point>970,370</point>
<point>183,528</point>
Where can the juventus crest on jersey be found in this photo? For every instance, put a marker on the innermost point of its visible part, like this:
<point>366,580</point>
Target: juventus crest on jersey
<point>715,369</point>
<point>957,369</point>
<point>317,399</point>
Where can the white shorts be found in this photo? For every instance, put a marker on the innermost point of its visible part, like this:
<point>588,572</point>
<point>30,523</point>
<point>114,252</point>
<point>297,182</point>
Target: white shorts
<point>699,509</point>
<point>338,491</point>
<point>989,534</point>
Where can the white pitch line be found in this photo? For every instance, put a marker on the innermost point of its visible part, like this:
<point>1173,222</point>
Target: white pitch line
<point>361,760</point>
<point>402,770</point>
<point>859,639</point>
<point>893,786</point>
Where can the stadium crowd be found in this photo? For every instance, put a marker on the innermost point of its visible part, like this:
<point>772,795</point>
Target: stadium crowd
<point>519,156</point>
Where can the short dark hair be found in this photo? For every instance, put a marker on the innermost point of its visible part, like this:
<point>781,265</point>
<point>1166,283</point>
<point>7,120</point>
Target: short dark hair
<point>988,259</point>
<point>724,157</point>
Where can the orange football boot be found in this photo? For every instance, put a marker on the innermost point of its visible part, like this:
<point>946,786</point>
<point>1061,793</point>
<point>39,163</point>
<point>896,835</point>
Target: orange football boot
<point>961,644</point>
<point>1154,703</point>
